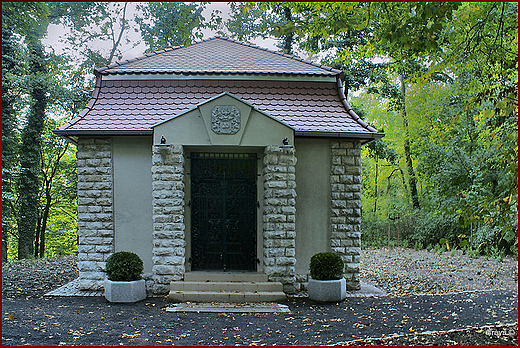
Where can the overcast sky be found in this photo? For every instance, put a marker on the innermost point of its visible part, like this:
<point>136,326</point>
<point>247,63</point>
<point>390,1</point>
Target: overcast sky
<point>56,32</point>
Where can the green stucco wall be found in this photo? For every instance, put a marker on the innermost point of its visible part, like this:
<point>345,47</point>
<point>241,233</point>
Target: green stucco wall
<point>132,158</point>
<point>313,199</point>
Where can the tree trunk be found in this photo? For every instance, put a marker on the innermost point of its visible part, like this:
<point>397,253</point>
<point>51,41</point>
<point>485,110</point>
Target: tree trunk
<point>37,239</point>
<point>30,151</point>
<point>42,243</point>
<point>412,181</point>
<point>375,185</point>
<point>9,141</point>
<point>289,38</point>
<point>45,217</point>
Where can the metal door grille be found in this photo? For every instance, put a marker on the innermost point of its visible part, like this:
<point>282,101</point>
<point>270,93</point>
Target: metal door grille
<point>223,211</point>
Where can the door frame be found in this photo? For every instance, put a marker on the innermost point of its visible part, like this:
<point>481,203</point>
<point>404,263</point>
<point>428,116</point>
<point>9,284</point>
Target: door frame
<point>259,151</point>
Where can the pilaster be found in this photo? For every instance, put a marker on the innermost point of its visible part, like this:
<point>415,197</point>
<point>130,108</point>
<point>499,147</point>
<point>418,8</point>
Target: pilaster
<point>169,242</point>
<point>279,228</point>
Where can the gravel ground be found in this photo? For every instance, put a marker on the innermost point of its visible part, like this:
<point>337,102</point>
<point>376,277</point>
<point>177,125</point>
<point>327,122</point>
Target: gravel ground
<point>34,278</point>
<point>401,272</point>
<point>398,271</point>
<point>448,283</point>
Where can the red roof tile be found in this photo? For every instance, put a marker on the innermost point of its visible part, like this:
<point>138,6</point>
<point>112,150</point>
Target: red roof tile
<point>297,104</point>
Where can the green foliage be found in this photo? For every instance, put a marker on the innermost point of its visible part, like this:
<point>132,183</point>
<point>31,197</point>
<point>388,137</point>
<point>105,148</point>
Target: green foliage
<point>464,139</point>
<point>266,20</point>
<point>57,196</point>
<point>9,131</point>
<point>443,78</point>
<point>169,24</point>
<point>25,18</point>
<point>249,20</point>
<point>37,86</point>
<point>374,231</point>
<point>380,149</point>
<point>326,266</point>
<point>414,27</point>
<point>124,266</point>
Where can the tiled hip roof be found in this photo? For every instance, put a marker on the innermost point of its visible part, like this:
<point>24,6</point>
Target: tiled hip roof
<point>219,55</point>
<point>136,105</point>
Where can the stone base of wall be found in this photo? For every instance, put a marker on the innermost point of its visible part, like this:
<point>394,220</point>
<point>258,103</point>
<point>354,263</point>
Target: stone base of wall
<point>301,281</point>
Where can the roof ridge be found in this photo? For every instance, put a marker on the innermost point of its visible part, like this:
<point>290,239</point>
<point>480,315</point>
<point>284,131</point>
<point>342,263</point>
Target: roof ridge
<point>168,49</point>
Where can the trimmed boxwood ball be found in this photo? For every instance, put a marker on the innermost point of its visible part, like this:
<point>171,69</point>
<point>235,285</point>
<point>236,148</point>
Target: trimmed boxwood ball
<point>326,266</point>
<point>124,266</point>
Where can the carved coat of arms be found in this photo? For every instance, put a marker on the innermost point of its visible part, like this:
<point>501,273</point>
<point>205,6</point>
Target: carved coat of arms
<point>225,119</point>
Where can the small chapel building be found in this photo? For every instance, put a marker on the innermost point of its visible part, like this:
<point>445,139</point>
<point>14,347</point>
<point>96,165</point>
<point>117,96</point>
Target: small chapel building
<point>218,157</point>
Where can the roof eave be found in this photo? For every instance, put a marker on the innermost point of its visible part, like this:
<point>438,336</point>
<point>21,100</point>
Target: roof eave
<point>364,138</point>
<point>102,132</point>
<point>349,109</point>
<point>209,72</point>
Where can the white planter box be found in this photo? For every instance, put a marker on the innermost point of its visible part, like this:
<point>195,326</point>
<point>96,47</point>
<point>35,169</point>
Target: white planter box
<point>327,290</point>
<point>132,291</point>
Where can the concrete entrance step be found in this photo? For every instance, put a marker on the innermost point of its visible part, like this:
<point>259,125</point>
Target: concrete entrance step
<point>223,296</point>
<point>226,286</point>
<point>225,277</point>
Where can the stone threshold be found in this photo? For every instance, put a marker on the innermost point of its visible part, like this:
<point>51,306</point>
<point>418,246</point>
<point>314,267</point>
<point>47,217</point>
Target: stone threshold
<point>222,307</point>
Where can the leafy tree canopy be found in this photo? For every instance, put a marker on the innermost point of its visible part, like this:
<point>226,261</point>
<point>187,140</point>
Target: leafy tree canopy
<point>169,24</point>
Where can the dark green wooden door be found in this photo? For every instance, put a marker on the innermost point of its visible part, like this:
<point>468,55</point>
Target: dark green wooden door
<point>223,211</point>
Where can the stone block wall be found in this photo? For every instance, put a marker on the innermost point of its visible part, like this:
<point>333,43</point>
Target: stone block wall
<point>279,227</point>
<point>345,219</point>
<point>95,210</point>
<point>169,242</point>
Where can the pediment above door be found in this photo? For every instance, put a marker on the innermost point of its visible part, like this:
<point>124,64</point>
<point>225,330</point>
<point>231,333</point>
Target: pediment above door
<point>224,120</point>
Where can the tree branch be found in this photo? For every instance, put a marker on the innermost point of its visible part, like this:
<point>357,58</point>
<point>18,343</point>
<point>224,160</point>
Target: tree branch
<point>121,31</point>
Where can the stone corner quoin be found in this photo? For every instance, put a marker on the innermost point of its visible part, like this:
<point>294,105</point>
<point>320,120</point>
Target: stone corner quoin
<point>345,219</point>
<point>95,210</point>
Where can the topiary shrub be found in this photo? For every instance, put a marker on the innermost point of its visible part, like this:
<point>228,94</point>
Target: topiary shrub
<point>326,266</point>
<point>124,266</point>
